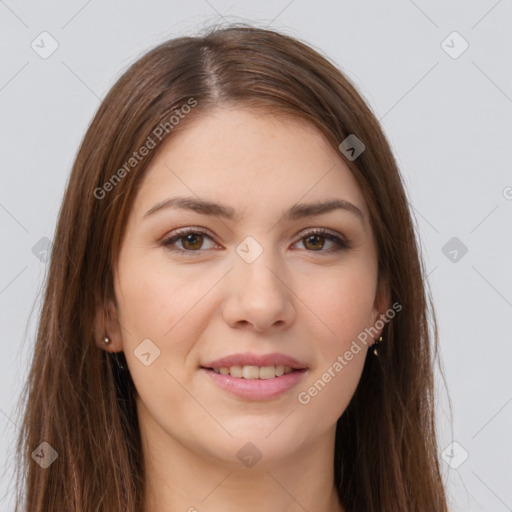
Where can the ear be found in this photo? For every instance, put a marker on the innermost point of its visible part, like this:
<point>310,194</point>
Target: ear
<point>107,325</point>
<point>381,304</point>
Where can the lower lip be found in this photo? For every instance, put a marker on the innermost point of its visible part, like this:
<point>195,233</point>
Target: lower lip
<point>256,389</point>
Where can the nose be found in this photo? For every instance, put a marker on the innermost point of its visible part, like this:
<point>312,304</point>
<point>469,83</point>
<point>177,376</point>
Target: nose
<point>258,295</point>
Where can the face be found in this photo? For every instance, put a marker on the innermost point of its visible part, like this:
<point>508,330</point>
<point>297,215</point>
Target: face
<point>242,268</point>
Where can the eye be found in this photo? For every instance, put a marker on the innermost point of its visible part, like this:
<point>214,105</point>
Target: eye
<point>191,240</point>
<point>314,241</point>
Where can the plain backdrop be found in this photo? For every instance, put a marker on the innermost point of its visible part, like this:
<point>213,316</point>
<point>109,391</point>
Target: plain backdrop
<point>439,77</point>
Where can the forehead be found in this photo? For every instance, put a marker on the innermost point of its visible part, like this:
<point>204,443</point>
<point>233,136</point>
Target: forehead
<point>249,158</point>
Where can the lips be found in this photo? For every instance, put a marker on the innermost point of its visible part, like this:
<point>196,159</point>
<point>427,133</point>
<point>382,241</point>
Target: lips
<point>251,359</point>
<point>255,376</point>
<point>255,389</point>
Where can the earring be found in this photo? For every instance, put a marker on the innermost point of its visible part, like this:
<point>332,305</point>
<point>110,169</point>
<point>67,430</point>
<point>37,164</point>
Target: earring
<point>375,346</point>
<point>106,340</point>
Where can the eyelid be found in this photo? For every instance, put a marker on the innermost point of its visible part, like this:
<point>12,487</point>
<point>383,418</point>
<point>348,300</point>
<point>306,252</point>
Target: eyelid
<point>189,229</point>
<point>323,231</point>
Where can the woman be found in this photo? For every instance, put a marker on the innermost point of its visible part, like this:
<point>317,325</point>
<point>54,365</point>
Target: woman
<point>235,316</point>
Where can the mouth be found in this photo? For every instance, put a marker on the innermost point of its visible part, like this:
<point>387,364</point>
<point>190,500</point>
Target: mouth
<point>253,376</point>
<point>255,372</point>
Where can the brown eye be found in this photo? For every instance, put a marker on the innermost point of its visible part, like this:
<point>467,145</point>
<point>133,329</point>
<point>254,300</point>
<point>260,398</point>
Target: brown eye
<point>314,242</point>
<point>192,241</point>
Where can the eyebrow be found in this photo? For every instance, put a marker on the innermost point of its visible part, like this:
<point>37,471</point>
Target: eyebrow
<point>297,211</point>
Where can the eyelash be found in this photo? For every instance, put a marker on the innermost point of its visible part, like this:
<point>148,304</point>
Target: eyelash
<point>340,243</point>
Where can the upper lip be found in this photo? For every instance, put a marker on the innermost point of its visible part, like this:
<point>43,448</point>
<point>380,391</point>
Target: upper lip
<point>249,359</point>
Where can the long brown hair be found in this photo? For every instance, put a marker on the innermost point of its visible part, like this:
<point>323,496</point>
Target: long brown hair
<point>79,401</point>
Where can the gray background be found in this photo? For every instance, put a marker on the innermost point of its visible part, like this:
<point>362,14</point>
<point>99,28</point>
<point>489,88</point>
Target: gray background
<point>447,117</point>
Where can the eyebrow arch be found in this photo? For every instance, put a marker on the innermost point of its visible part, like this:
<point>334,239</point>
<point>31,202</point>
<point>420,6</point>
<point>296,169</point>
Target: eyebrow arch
<point>297,211</point>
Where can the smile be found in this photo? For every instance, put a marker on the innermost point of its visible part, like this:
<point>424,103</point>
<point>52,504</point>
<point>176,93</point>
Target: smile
<point>254,372</point>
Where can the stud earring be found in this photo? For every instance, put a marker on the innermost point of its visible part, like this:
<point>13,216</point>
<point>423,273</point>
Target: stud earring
<point>375,346</point>
<point>106,340</point>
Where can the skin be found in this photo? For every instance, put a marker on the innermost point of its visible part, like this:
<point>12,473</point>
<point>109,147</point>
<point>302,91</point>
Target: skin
<point>298,298</point>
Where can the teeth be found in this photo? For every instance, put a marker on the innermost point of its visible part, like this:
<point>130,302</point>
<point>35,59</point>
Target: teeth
<point>254,372</point>
<point>250,372</point>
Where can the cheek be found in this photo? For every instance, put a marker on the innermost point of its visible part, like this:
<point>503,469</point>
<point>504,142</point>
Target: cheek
<point>342,301</point>
<point>170,306</point>
<point>155,297</point>
<point>161,304</point>
<point>343,305</point>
